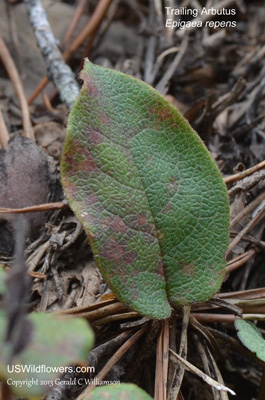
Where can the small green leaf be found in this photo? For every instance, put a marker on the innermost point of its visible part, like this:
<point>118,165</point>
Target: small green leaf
<point>148,193</point>
<point>56,343</point>
<point>125,391</point>
<point>251,337</point>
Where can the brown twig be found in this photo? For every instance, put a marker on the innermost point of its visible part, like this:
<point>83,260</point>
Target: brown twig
<point>112,12</point>
<point>79,11</point>
<point>179,370</point>
<point>110,346</point>
<point>257,218</point>
<point>243,174</point>
<point>47,103</point>
<point>77,310</point>
<point>12,21</point>
<point>232,308</point>
<point>244,294</point>
<point>16,81</point>
<point>38,89</point>
<point>166,329</point>
<point>162,361</point>
<point>4,136</point>
<point>240,260</point>
<point>104,312</point>
<point>116,317</point>
<point>214,318</point>
<point>205,334</point>
<point>114,359</point>
<point>96,314</point>
<point>173,346</point>
<point>89,46</point>
<point>88,30</point>
<point>159,393</point>
<point>59,205</point>
<point>255,306</point>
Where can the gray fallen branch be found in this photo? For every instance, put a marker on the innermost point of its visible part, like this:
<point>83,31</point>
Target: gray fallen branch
<point>59,72</point>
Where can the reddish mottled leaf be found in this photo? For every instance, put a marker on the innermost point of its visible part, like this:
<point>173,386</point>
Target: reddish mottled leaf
<point>148,193</point>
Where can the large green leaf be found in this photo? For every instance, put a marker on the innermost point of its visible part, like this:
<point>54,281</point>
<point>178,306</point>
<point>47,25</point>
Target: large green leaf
<point>56,342</point>
<point>148,193</point>
<point>125,391</point>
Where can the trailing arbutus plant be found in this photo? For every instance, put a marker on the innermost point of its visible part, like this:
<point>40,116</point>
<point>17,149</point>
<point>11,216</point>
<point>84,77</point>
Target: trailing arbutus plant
<point>149,195</point>
<point>153,204</point>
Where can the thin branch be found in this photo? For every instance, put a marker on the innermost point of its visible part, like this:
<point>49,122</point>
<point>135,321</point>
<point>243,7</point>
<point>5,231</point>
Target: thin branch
<point>59,72</point>
<point>244,294</point>
<point>113,360</point>
<point>179,369</point>
<point>116,317</point>
<point>190,367</point>
<point>163,83</point>
<point>224,395</point>
<point>226,305</point>
<point>77,310</point>
<point>88,30</point>
<point>205,334</point>
<point>95,314</point>
<point>79,11</point>
<point>214,318</point>
<point>243,174</point>
<point>162,361</point>
<point>4,136</point>
<point>59,205</point>
<point>240,260</point>
<point>16,81</point>
<point>47,103</point>
<point>247,210</point>
<point>257,218</point>
<point>159,393</point>
<point>205,361</point>
<point>38,90</point>
<point>166,330</point>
